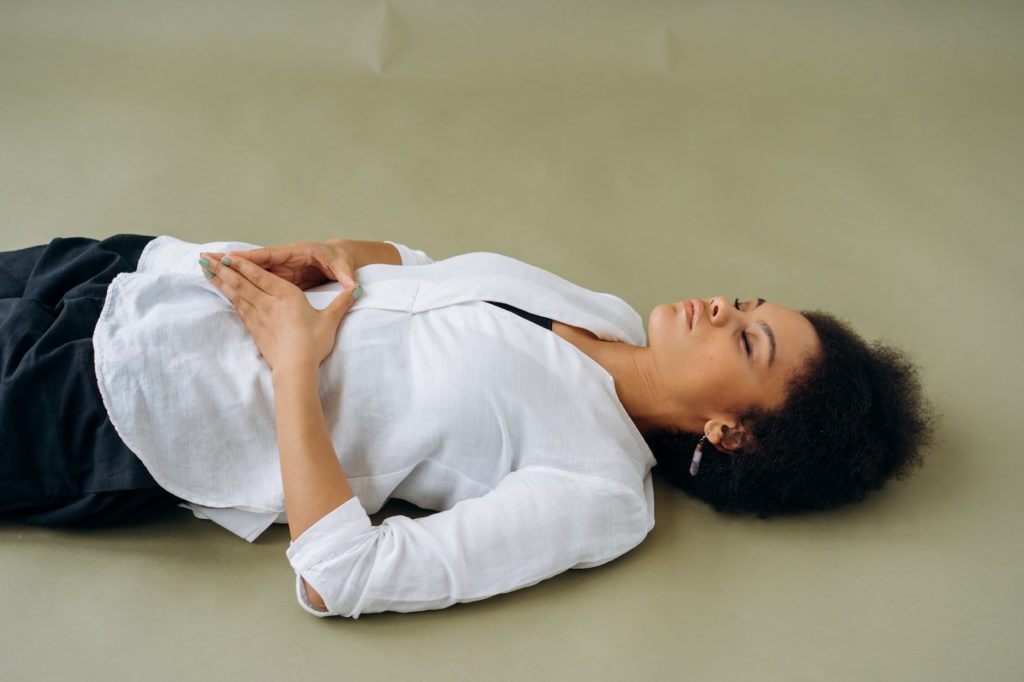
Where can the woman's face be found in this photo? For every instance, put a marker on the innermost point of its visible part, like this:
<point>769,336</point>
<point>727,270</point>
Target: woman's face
<point>720,359</point>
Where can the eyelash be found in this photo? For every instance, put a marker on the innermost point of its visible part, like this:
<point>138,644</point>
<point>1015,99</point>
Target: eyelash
<point>743,335</point>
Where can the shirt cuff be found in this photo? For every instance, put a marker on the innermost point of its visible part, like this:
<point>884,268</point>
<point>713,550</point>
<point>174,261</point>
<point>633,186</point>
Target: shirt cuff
<point>300,593</point>
<point>327,535</point>
<point>324,538</point>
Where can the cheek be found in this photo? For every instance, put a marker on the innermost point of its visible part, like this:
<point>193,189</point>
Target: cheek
<point>721,379</point>
<point>709,368</point>
<point>715,373</point>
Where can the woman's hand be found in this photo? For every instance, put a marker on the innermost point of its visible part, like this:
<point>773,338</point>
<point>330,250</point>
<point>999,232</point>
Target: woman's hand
<point>305,264</point>
<point>286,328</point>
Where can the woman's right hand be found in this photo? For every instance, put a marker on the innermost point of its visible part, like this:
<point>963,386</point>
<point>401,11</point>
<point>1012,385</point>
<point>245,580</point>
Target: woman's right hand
<point>306,264</point>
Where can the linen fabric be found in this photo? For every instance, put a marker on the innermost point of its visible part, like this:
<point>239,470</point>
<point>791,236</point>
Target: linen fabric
<point>432,395</point>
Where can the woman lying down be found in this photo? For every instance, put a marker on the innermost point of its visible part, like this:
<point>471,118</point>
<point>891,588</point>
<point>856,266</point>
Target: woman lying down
<point>309,383</point>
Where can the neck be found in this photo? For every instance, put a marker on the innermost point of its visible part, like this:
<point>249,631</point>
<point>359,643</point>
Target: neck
<point>637,383</point>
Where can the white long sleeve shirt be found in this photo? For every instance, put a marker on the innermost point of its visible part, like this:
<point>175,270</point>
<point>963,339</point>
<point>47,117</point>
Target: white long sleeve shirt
<point>515,437</point>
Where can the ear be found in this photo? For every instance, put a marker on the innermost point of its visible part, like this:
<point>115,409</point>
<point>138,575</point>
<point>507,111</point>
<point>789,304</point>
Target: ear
<point>728,436</point>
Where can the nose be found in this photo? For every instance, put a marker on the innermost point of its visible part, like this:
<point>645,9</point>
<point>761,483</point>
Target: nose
<point>718,310</point>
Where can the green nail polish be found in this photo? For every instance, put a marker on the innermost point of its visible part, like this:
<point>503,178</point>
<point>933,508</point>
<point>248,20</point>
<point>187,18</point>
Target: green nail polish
<point>225,260</point>
<point>204,262</point>
<point>208,273</point>
<point>357,292</point>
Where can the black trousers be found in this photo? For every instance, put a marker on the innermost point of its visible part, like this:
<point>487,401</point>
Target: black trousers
<point>61,461</point>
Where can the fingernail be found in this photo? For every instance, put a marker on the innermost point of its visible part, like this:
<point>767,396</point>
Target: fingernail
<point>208,274</point>
<point>225,260</point>
<point>357,292</point>
<point>204,262</point>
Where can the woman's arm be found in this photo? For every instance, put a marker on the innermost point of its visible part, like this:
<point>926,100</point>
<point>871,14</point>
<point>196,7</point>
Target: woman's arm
<point>389,252</point>
<point>370,252</point>
<point>307,264</point>
<point>314,482</point>
<point>536,523</point>
<point>293,338</point>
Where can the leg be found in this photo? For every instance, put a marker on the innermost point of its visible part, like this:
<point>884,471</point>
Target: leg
<point>76,267</point>
<point>61,460</point>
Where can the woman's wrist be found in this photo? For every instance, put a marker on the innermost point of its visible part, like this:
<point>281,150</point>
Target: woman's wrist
<point>294,367</point>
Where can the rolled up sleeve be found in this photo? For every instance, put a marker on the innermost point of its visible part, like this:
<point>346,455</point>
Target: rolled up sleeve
<point>346,526</point>
<point>536,523</point>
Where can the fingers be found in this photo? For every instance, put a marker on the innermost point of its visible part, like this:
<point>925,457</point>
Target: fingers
<point>341,304</point>
<point>242,281</point>
<point>263,257</point>
<point>342,272</point>
<point>345,279</point>
<point>265,280</point>
<point>269,256</point>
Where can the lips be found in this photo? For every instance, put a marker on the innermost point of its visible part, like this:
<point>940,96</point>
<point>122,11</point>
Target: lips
<point>693,310</point>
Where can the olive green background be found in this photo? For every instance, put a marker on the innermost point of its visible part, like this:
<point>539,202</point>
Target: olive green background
<point>862,157</point>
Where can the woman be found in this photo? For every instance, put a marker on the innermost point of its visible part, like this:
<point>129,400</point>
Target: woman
<point>525,409</point>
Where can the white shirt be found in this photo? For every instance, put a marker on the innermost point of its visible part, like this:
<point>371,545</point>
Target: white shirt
<point>512,434</point>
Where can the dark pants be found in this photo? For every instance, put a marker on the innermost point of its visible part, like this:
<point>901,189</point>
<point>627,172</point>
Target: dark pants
<point>61,461</point>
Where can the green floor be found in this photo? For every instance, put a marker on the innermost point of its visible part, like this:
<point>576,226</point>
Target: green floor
<point>859,157</point>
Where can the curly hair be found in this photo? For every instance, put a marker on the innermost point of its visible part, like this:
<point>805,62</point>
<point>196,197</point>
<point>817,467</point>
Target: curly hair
<point>854,418</point>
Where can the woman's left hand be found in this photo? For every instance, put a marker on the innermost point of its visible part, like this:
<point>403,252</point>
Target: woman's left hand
<point>286,328</point>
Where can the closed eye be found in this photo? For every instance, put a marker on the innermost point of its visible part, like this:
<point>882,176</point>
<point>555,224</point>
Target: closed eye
<point>743,335</point>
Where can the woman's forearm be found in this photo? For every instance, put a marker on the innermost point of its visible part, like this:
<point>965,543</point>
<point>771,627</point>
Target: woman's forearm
<point>314,482</point>
<point>370,252</point>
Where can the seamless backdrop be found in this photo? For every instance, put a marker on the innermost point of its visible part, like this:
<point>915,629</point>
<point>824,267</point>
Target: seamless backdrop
<point>858,157</point>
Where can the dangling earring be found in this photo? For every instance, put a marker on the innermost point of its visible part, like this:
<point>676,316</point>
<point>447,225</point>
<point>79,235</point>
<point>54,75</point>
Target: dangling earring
<point>695,464</point>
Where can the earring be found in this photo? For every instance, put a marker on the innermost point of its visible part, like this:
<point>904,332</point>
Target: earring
<point>695,464</point>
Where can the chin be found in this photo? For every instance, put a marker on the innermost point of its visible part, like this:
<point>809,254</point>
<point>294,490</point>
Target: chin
<point>674,311</point>
<point>667,315</point>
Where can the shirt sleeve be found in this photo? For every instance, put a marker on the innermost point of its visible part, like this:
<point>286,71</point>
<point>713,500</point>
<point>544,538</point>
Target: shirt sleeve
<point>411,256</point>
<point>536,523</point>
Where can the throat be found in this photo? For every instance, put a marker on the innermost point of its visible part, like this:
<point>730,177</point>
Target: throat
<point>581,338</point>
<point>587,342</point>
<point>619,360</point>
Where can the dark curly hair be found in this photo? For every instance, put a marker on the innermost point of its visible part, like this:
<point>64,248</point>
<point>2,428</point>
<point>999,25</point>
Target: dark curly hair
<point>854,418</point>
